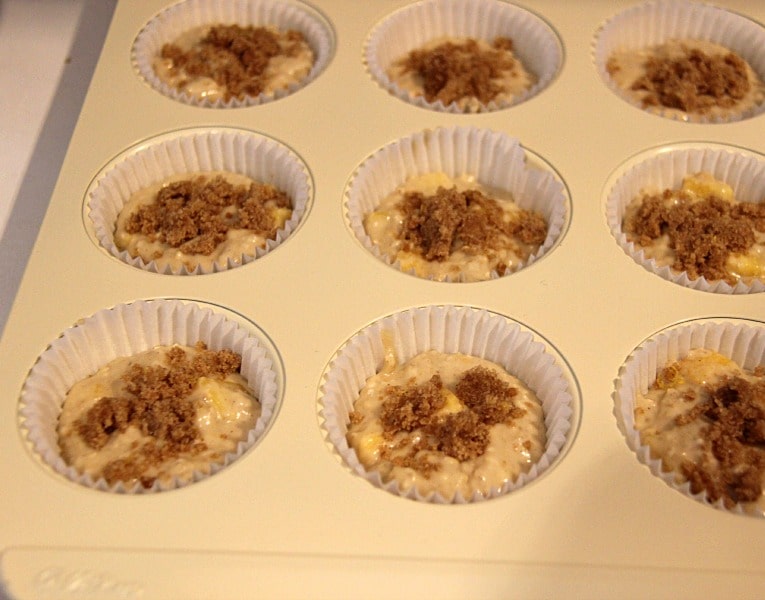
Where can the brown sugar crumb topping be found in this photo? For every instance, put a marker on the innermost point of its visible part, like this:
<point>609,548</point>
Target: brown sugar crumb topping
<point>452,71</point>
<point>703,234</point>
<point>488,396</point>
<point>437,225</point>
<point>487,400</point>
<point>410,407</point>
<point>734,441</point>
<point>234,57</point>
<point>157,404</point>
<point>694,82</point>
<point>194,215</point>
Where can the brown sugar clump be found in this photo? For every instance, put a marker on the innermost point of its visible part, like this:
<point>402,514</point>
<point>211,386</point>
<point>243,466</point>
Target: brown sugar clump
<point>234,57</point>
<point>488,396</point>
<point>437,225</point>
<point>410,407</point>
<point>735,442</point>
<point>452,71</point>
<point>157,404</point>
<point>694,82</point>
<point>431,222</point>
<point>703,234</point>
<point>194,215</point>
<point>487,400</point>
<point>355,417</point>
<point>107,416</point>
<point>462,435</point>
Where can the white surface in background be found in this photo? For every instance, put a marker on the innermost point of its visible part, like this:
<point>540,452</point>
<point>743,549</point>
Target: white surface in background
<point>35,37</point>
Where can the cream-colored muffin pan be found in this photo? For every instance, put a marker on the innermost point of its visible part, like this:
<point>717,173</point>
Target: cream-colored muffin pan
<point>289,518</point>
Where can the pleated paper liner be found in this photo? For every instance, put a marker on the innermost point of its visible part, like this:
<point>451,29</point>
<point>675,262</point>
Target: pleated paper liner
<point>535,43</point>
<point>656,22</point>
<point>204,149</point>
<point>451,329</point>
<point>186,15</point>
<point>494,159</point>
<point>740,340</point>
<point>126,330</point>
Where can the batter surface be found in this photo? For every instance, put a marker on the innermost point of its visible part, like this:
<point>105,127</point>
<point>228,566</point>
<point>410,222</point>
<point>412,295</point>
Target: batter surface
<point>453,228</point>
<point>161,414</point>
<point>447,423</point>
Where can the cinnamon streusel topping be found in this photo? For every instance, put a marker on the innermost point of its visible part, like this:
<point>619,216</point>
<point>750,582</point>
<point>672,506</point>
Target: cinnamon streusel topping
<point>455,70</point>
<point>688,79</point>
<point>463,434</point>
<point>194,215</point>
<point>437,225</point>
<point>156,403</point>
<point>733,442</point>
<point>702,233</point>
<point>234,57</point>
<point>694,82</point>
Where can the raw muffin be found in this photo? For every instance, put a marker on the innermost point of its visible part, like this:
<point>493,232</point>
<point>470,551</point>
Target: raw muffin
<point>158,415</point>
<point>688,77</point>
<point>231,61</point>
<point>700,229</point>
<point>201,219</point>
<point>453,228</point>
<point>446,423</point>
<point>704,417</point>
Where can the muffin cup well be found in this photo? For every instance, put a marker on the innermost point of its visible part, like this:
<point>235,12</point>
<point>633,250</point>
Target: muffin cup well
<point>656,22</point>
<point>659,169</point>
<point>183,16</point>
<point>191,151</point>
<point>448,329</point>
<point>494,159</point>
<point>126,330</point>
<point>535,43</point>
<point>741,341</point>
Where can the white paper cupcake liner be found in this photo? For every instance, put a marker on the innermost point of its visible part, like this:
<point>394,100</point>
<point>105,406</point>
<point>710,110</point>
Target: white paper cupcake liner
<point>494,159</point>
<point>652,23</point>
<point>166,26</point>
<point>741,341</point>
<point>188,151</point>
<point>535,43</point>
<point>665,168</point>
<point>126,330</point>
<point>448,329</point>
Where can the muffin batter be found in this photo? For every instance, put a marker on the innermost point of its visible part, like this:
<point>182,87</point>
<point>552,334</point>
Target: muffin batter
<point>444,228</point>
<point>230,61</point>
<point>700,229</point>
<point>704,417</point>
<point>447,423</point>
<point>161,414</point>
<point>467,71</point>
<point>201,219</point>
<point>688,77</point>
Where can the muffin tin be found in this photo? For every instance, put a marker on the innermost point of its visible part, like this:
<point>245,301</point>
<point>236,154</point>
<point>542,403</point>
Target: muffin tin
<point>289,518</point>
